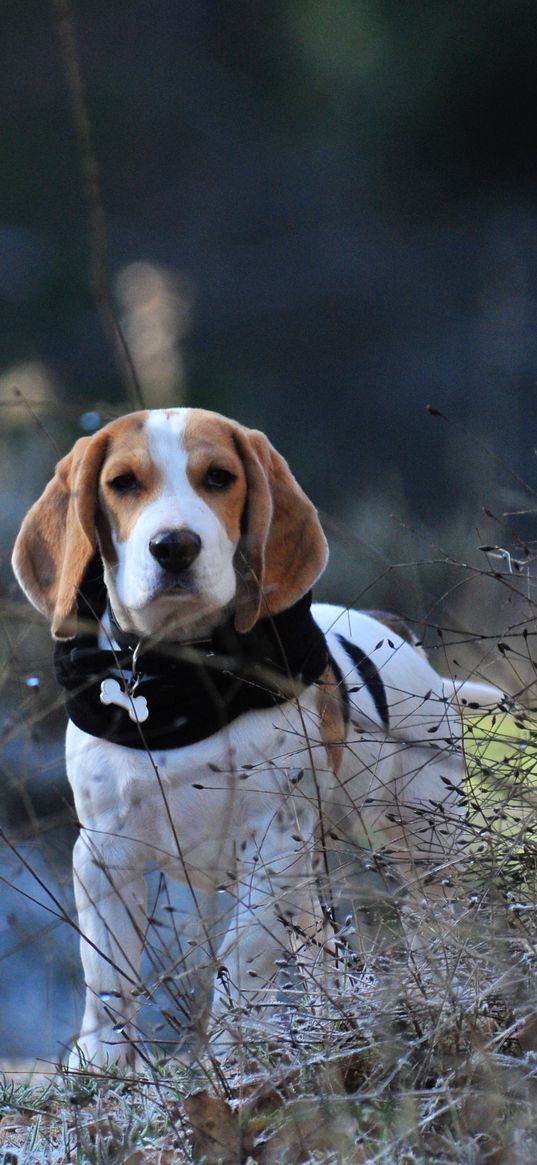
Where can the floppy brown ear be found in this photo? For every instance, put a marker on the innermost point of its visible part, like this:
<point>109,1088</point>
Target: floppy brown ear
<point>283,550</point>
<point>57,539</point>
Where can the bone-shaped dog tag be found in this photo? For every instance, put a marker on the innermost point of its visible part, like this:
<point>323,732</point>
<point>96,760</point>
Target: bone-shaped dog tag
<point>136,706</point>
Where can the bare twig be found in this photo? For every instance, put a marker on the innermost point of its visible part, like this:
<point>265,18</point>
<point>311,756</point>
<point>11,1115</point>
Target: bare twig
<point>99,277</point>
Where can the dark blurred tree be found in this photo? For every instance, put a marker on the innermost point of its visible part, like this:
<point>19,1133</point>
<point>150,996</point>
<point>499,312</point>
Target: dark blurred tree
<point>348,188</point>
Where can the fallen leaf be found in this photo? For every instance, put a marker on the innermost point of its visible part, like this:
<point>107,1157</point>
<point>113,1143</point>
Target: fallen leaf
<point>218,1136</point>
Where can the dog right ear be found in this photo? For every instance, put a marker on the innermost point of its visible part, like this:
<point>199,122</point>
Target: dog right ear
<point>57,539</point>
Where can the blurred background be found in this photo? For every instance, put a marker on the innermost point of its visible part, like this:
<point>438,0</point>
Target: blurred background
<point>321,217</point>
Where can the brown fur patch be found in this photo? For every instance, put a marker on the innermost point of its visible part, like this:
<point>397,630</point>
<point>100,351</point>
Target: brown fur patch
<point>58,536</point>
<point>282,549</point>
<point>127,452</point>
<point>394,623</point>
<point>331,716</point>
<point>208,440</point>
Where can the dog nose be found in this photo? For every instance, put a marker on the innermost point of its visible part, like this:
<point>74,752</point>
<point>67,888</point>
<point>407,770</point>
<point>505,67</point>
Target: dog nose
<point>175,550</point>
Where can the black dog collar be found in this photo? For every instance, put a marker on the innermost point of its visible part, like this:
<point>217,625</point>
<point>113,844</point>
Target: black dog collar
<point>191,691</point>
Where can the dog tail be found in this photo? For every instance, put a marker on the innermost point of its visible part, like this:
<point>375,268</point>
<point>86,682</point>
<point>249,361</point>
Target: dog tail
<point>470,697</point>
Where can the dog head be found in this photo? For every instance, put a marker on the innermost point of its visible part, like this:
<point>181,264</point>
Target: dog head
<point>194,516</point>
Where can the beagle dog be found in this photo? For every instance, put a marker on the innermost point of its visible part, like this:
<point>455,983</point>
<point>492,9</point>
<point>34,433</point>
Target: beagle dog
<point>221,728</point>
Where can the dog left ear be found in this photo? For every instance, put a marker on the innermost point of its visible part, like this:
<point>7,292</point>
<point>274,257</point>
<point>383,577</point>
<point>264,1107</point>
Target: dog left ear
<point>57,539</point>
<point>283,549</point>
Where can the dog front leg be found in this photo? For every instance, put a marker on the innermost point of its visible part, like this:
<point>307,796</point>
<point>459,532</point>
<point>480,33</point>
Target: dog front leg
<point>274,952</point>
<point>110,894</point>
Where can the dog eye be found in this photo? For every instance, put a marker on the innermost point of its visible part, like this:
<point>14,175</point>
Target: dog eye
<point>219,478</point>
<point>124,483</point>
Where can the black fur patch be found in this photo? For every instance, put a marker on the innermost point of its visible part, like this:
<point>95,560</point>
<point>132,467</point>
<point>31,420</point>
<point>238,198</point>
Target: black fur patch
<point>370,676</point>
